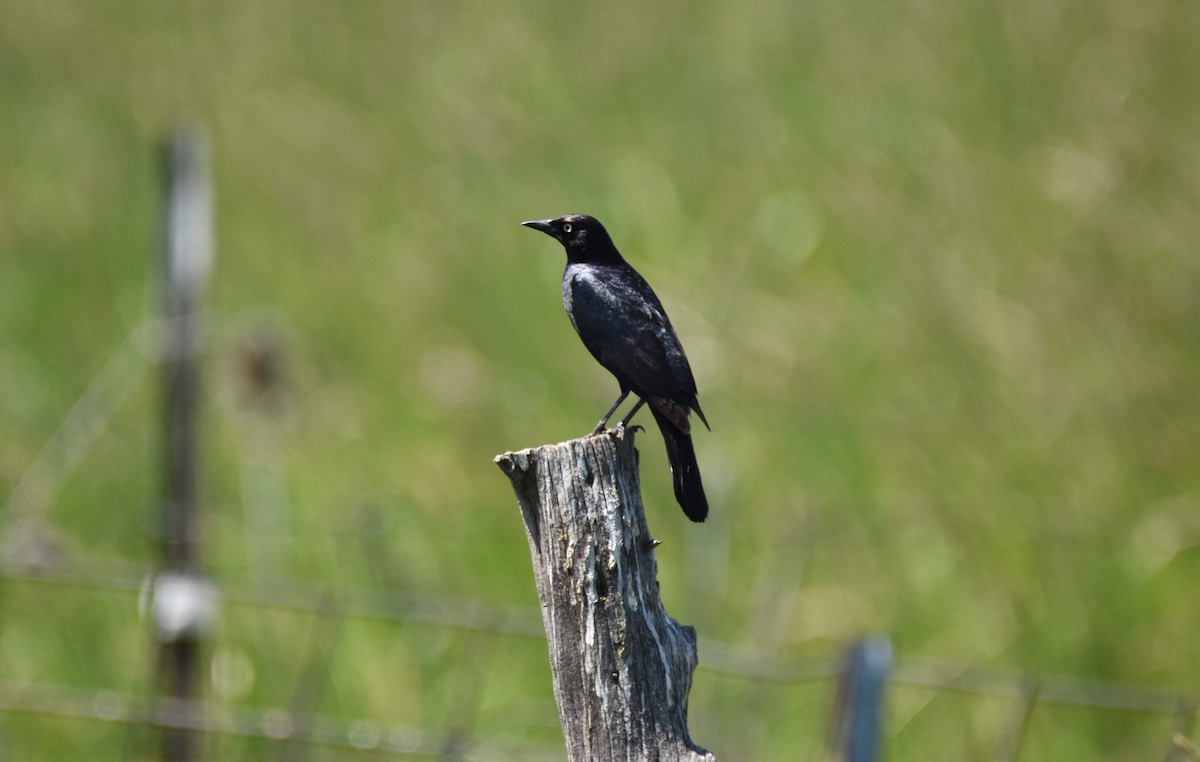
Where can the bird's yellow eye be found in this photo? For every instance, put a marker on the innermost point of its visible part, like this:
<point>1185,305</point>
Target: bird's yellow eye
<point>566,227</point>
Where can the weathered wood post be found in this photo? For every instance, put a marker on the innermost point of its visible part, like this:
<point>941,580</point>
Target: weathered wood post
<point>622,667</point>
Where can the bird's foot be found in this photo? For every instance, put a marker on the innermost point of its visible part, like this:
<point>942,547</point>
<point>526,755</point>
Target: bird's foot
<point>620,429</point>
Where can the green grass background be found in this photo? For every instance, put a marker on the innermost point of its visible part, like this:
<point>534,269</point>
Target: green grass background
<point>935,266</point>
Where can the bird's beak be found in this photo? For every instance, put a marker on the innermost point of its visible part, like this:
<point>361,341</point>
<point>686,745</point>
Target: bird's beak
<point>542,225</point>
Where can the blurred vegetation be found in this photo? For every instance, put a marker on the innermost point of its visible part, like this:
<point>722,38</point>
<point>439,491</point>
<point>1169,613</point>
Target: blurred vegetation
<point>935,266</point>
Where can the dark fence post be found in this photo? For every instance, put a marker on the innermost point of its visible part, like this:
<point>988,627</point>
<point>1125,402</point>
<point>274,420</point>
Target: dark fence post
<point>622,668</point>
<point>856,733</point>
<point>183,601</point>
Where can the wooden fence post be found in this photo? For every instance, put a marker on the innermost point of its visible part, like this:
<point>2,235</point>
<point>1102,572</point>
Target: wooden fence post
<point>622,667</point>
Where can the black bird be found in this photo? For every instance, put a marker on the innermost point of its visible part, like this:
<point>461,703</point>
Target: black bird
<point>625,327</point>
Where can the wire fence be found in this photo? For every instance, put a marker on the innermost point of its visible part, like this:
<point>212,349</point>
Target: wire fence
<point>26,557</point>
<point>283,723</point>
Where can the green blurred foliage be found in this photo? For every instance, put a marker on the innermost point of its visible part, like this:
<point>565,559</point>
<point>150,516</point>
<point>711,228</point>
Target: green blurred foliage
<point>935,267</point>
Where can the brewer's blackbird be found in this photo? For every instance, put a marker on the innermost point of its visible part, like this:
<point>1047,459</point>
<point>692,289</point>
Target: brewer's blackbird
<point>624,326</point>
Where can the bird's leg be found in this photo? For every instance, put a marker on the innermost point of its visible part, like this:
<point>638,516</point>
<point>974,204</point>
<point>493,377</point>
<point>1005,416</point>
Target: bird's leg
<point>629,415</point>
<point>604,421</point>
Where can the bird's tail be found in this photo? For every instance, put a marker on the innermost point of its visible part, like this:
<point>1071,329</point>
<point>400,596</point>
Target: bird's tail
<point>685,474</point>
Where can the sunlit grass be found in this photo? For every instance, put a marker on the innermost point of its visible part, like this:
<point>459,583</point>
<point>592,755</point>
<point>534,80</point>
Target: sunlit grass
<point>934,267</point>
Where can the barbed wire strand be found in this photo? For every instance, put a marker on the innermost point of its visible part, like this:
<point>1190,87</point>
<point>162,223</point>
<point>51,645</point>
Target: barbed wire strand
<point>272,724</point>
<point>716,657</point>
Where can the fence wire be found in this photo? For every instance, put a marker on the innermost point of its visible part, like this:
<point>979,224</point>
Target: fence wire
<point>284,723</point>
<point>276,724</point>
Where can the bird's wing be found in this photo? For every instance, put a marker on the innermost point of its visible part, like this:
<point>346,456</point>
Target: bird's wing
<point>625,327</point>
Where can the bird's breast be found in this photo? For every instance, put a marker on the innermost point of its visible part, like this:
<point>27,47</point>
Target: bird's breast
<point>576,277</point>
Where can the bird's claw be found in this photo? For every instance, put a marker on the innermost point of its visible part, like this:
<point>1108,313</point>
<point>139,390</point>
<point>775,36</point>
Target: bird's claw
<point>620,429</point>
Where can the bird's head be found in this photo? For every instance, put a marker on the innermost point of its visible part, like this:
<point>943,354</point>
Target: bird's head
<point>584,238</point>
